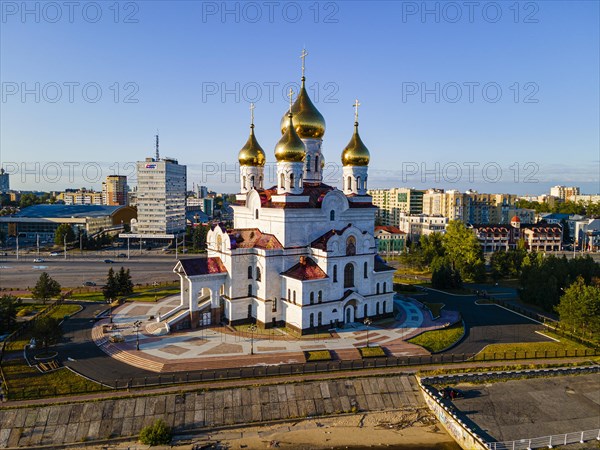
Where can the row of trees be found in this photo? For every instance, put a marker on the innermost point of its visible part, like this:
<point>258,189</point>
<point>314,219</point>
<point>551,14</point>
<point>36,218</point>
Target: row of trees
<point>453,257</point>
<point>567,207</point>
<point>118,284</point>
<point>579,308</point>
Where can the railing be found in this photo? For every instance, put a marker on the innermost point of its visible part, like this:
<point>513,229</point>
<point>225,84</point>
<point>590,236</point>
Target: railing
<point>266,371</point>
<point>547,441</point>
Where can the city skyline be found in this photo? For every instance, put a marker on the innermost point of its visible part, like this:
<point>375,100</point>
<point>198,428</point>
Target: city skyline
<point>432,98</point>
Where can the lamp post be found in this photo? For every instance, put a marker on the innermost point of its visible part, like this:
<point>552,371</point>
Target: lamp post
<point>252,330</point>
<point>109,301</point>
<point>137,324</point>
<point>367,322</point>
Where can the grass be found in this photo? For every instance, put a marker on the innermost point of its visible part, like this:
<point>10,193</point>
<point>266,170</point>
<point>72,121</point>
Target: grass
<point>438,340</point>
<point>435,308</point>
<point>59,313</point>
<point>26,382</point>
<point>518,350</point>
<point>317,355</point>
<point>371,352</point>
<point>140,294</point>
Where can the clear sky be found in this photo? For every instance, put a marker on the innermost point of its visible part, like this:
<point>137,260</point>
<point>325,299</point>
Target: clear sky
<point>503,96</point>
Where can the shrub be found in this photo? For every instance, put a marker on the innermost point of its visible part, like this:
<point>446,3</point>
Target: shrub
<point>317,355</point>
<point>156,434</point>
<point>371,352</point>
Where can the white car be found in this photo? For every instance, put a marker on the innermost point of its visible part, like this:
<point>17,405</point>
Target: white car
<point>54,254</point>
<point>38,260</point>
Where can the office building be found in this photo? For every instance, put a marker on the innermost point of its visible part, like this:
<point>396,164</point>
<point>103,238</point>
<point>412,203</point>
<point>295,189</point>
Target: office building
<point>114,190</point>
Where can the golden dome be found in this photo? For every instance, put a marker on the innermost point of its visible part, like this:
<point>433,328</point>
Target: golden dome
<point>356,152</point>
<point>290,148</point>
<point>308,121</point>
<point>251,153</point>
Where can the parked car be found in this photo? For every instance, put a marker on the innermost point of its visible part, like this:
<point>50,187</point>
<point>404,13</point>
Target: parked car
<point>54,254</point>
<point>108,261</point>
<point>38,260</point>
<point>451,393</point>
<point>88,283</point>
<point>122,255</point>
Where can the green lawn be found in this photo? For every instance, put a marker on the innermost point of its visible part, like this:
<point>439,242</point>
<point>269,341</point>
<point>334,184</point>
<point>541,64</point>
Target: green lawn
<point>523,350</point>
<point>140,294</point>
<point>438,340</point>
<point>59,313</point>
<point>317,355</point>
<point>371,352</point>
<point>27,382</point>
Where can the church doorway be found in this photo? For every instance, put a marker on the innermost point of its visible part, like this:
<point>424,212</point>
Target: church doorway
<point>349,313</point>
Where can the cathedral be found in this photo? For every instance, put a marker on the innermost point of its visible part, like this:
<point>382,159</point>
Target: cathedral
<point>301,254</point>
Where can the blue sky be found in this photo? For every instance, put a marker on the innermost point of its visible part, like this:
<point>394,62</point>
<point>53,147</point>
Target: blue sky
<point>512,100</point>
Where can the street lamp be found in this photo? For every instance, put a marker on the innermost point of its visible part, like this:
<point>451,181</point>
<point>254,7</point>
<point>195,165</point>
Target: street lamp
<point>137,324</point>
<point>109,301</point>
<point>367,322</point>
<point>252,330</point>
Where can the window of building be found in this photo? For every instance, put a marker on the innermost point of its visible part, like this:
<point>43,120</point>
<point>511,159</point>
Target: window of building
<point>249,290</point>
<point>320,297</point>
<point>349,275</point>
<point>384,307</point>
<point>312,298</point>
<point>249,272</point>
<point>256,214</point>
<point>312,320</point>
<point>316,163</point>
<point>377,289</point>
<point>384,287</point>
<point>308,163</point>
<point>291,181</point>
<point>377,308</point>
<point>282,181</point>
<point>274,308</point>
<point>258,274</point>
<point>351,246</point>
<point>249,311</point>
<point>244,181</point>
<point>349,183</point>
<point>294,297</point>
<point>366,269</point>
<point>332,215</point>
<point>335,274</point>
<point>320,319</point>
<point>289,295</point>
<point>366,311</point>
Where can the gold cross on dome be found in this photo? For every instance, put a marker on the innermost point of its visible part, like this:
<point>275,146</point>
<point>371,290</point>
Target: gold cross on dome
<point>291,96</point>
<point>356,105</point>
<point>252,113</point>
<point>303,57</point>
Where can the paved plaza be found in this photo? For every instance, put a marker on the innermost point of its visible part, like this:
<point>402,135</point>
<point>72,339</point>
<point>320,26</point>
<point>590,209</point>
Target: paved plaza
<point>224,347</point>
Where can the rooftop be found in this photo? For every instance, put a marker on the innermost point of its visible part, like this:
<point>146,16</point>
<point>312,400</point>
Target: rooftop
<point>67,211</point>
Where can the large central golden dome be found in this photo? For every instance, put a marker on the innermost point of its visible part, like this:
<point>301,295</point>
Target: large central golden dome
<point>356,152</point>
<point>308,121</point>
<point>290,148</point>
<point>252,153</point>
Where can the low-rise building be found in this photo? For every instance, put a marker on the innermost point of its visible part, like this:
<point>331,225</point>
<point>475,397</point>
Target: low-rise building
<point>390,240</point>
<point>421,225</point>
<point>81,196</point>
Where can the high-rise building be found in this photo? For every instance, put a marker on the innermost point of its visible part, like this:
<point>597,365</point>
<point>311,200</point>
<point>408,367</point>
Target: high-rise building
<point>4,182</point>
<point>564,192</point>
<point>392,203</point>
<point>161,189</point>
<point>114,190</point>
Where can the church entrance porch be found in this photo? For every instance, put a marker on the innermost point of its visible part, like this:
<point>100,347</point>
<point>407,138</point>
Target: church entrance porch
<point>349,314</point>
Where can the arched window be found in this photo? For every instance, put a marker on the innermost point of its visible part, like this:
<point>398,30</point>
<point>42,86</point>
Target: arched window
<point>244,182</point>
<point>384,287</point>
<point>300,181</point>
<point>366,181</point>
<point>274,308</point>
<point>308,163</point>
<point>249,290</point>
<point>260,182</point>
<point>320,318</point>
<point>316,163</point>
<point>320,297</point>
<point>312,320</point>
<point>258,274</point>
<point>335,274</point>
<point>358,183</point>
<point>256,214</point>
<point>252,181</point>
<point>289,295</point>
<point>249,272</point>
<point>349,183</point>
<point>292,181</point>
<point>294,297</point>
<point>366,311</point>
<point>366,269</point>
<point>377,309</point>
<point>332,215</point>
<point>377,292</point>
<point>351,246</point>
<point>249,311</point>
<point>384,307</point>
<point>282,181</point>
<point>312,298</point>
<point>349,275</point>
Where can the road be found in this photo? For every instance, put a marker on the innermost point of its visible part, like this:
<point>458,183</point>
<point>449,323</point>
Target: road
<point>75,270</point>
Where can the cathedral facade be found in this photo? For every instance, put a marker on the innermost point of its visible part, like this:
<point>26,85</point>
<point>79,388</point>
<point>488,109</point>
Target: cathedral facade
<point>302,254</point>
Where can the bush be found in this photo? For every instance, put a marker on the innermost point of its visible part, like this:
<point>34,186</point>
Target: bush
<point>371,352</point>
<point>156,434</point>
<point>317,355</point>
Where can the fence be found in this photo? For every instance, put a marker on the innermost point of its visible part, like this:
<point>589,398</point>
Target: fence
<point>547,441</point>
<point>274,371</point>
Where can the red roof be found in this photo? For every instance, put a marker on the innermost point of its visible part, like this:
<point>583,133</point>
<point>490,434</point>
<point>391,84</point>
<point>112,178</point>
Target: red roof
<point>306,269</point>
<point>390,229</point>
<point>321,242</point>
<point>202,266</point>
<point>252,238</point>
<point>515,219</point>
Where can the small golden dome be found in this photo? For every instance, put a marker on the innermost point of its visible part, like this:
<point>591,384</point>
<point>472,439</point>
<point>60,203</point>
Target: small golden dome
<point>290,148</point>
<point>308,121</point>
<point>356,152</point>
<point>251,153</point>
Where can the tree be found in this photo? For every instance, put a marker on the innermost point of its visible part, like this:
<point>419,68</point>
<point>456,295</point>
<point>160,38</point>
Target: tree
<point>64,229</point>
<point>579,308</point>
<point>432,247</point>
<point>123,282</point>
<point>8,313</point>
<point>45,288</point>
<point>199,237</point>
<point>111,289</point>
<point>463,251</point>
<point>47,331</point>
<point>443,276</point>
